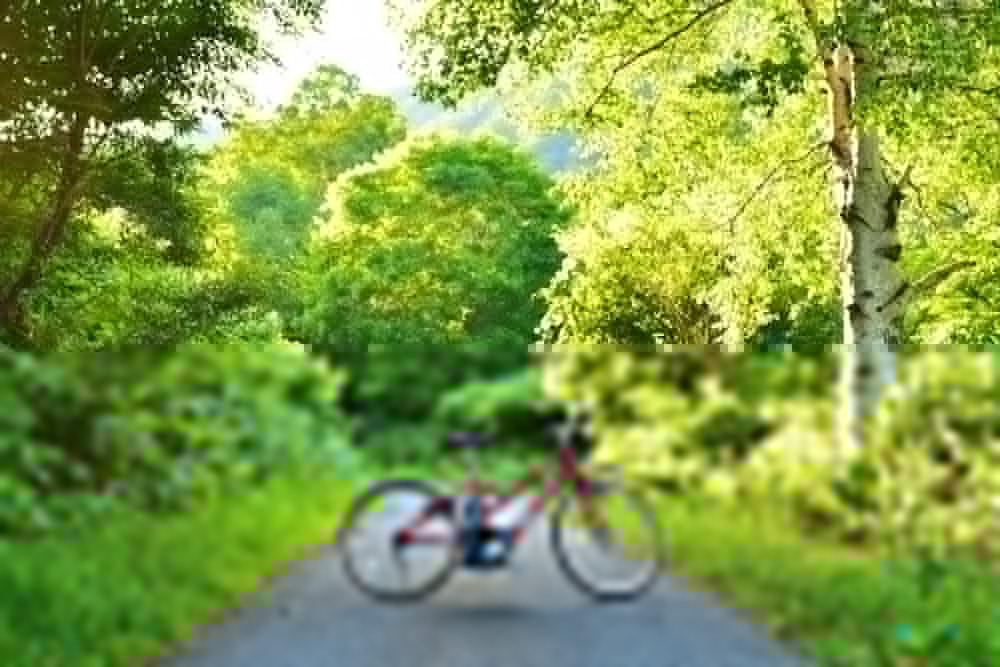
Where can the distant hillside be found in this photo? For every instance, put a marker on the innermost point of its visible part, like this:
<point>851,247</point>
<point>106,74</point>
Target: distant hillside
<point>556,152</point>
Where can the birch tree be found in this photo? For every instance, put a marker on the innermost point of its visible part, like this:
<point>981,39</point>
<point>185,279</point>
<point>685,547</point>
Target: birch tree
<point>881,63</point>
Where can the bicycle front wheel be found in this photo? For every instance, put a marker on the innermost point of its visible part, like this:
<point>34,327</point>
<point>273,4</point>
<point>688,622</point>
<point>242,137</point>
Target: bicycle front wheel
<point>397,546</point>
<point>608,543</point>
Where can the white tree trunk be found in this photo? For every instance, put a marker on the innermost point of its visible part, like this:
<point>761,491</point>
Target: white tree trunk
<point>872,288</point>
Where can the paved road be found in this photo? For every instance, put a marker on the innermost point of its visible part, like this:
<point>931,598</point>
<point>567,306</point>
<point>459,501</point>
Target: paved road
<point>529,617</point>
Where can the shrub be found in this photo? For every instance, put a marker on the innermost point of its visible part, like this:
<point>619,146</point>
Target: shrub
<point>42,412</point>
<point>159,431</point>
<point>678,415</point>
<point>930,476</point>
<point>405,382</point>
<point>514,408</point>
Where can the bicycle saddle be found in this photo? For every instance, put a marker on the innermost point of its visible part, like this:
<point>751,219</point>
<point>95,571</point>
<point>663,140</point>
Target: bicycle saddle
<point>468,440</point>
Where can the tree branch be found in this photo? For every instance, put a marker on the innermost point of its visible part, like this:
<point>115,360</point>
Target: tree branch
<point>812,21</point>
<point>934,278</point>
<point>908,293</point>
<point>990,91</point>
<point>767,180</point>
<point>630,60</point>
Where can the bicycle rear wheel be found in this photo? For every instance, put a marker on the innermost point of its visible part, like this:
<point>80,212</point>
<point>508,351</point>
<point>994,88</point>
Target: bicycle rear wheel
<point>384,566</point>
<point>608,543</point>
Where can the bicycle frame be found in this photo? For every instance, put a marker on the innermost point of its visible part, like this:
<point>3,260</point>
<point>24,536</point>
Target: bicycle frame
<point>568,473</point>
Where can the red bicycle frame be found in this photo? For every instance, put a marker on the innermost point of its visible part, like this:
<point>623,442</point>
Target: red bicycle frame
<point>569,472</point>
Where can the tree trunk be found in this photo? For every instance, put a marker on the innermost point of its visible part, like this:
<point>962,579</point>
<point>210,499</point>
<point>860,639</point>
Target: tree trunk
<point>872,288</point>
<point>49,234</point>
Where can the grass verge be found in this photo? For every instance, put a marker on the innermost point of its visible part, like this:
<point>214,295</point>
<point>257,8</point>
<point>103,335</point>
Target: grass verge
<point>137,584</point>
<point>844,607</point>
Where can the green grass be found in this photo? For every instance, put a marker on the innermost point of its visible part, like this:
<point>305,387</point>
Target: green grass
<point>843,606</point>
<point>137,584</point>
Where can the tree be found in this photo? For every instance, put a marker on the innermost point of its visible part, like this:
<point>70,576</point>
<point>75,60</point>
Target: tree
<point>85,73</point>
<point>441,241</point>
<point>269,178</point>
<point>878,60</point>
<point>154,181</point>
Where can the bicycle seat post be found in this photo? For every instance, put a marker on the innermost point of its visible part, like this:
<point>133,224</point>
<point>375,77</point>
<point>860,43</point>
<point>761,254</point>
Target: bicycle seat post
<point>473,467</point>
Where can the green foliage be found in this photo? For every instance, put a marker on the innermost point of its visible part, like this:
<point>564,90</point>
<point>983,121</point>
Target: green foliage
<point>132,586</point>
<point>44,408</point>
<point>613,289</point>
<point>683,415</point>
<point>396,445</point>
<point>114,67</point>
<point>698,118</point>
<point>930,477</point>
<point>678,236</point>
<point>153,182</point>
<point>514,408</point>
<point>440,242</point>
<point>268,178</point>
<point>407,399</point>
<point>155,431</point>
<point>394,393</point>
<point>764,84</point>
<point>405,382</point>
<point>752,424</point>
<point>86,86</point>
<point>843,607</point>
<point>114,286</point>
<point>954,218</point>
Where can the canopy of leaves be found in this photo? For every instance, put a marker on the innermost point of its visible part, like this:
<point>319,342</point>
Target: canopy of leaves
<point>87,83</point>
<point>269,178</point>
<point>440,241</point>
<point>116,61</point>
<point>707,135</point>
<point>153,182</point>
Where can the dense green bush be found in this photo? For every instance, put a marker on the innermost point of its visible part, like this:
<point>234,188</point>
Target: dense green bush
<point>440,241</point>
<point>930,475</point>
<point>406,400</point>
<point>763,423</point>
<point>43,411</point>
<point>514,408</point>
<point>391,383</point>
<point>395,444</point>
<point>159,431</point>
<point>681,414</point>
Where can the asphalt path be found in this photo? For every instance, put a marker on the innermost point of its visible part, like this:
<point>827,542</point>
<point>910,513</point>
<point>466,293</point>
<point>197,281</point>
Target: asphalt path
<point>527,616</point>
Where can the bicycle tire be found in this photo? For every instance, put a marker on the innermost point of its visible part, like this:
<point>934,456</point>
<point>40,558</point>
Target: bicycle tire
<point>357,510</point>
<point>579,579</point>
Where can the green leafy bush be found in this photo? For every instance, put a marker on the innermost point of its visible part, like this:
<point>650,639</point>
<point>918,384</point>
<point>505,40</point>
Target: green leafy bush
<point>678,415</point>
<point>42,412</point>
<point>402,444</point>
<point>514,408</point>
<point>511,407</point>
<point>405,382</point>
<point>930,476</point>
<point>159,431</point>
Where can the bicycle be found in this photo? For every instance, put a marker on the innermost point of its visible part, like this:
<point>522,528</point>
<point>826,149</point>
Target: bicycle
<point>459,527</point>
